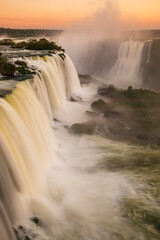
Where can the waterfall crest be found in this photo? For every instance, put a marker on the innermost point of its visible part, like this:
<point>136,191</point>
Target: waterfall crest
<point>126,70</point>
<point>60,77</point>
<point>55,84</point>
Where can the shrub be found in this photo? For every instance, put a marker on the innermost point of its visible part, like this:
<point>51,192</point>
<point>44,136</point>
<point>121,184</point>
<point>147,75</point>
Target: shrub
<point>21,63</point>
<point>23,70</point>
<point>19,45</point>
<point>6,42</point>
<point>42,44</point>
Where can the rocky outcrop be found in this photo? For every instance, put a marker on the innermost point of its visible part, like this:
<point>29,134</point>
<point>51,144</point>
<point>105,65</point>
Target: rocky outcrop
<point>151,68</point>
<point>130,115</point>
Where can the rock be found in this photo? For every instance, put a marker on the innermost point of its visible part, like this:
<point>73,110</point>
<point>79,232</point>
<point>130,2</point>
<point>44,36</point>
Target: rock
<point>99,106</point>
<point>35,220</point>
<point>7,69</point>
<point>23,70</point>
<point>23,233</point>
<point>84,128</point>
<point>106,90</point>
<point>92,114</point>
<point>21,63</point>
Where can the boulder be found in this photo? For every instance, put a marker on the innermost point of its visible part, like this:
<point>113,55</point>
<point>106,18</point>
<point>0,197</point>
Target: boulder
<point>84,128</point>
<point>7,69</point>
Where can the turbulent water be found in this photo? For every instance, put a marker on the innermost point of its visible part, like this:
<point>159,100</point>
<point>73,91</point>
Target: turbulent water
<point>78,186</point>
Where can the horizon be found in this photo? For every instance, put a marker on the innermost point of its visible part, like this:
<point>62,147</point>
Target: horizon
<point>59,29</point>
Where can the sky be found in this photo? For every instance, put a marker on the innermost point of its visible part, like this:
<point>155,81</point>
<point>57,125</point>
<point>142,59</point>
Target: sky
<point>65,14</point>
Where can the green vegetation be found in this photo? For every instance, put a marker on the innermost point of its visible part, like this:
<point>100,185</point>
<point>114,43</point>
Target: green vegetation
<point>6,42</point>
<point>23,70</point>
<point>34,44</point>
<point>9,69</point>
<point>22,44</point>
<point>28,32</point>
<point>131,115</point>
<point>144,105</point>
<point>42,44</point>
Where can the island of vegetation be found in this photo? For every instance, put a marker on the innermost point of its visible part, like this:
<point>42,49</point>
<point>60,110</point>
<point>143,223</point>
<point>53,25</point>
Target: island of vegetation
<point>9,68</point>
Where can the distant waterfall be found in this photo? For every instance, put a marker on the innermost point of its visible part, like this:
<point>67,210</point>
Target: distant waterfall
<point>149,52</point>
<point>126,70</point>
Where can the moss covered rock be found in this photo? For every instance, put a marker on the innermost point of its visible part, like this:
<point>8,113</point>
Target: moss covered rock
<point>23,70</point>
<point>84,128</point>
<point>7,69</point>
<point>21,63</point>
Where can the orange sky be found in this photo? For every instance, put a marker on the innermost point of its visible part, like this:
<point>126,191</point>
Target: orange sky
<point>130,14</point>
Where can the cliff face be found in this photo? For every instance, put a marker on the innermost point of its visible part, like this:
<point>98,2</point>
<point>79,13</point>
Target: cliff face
<point>151,68</point>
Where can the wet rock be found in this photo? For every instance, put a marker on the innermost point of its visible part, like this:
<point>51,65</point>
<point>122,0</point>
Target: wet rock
<point>92,114</point>
<point>84,128</point>
<point>99,106</point>
<point>23,233</point>
<point>107,109</point>
<point>35,220</point>
<point>7,69</point>
<point>4,92</point>
<point>106,90</point>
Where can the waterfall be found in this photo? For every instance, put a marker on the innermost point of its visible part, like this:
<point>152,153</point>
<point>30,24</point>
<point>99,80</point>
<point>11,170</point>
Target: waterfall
<point>149,52</point>
<point>55,84</point>
<point>126,70</point>
<point>60,77</point>
<point>26,142</point>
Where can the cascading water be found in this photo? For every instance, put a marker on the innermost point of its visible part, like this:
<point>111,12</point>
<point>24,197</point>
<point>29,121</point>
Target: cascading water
<point>149,52</point>
<point>56,83</point>
<point>62,179</point>
<point>60,77</point>
<point>34,181</point>
<point>26,148</point>
<point>127,68</point>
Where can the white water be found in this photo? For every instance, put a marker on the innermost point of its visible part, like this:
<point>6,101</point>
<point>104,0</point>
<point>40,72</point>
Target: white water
<point>149,52</point>
<point>55,84</point>
<point>46,177</point>
<point>126,70</point>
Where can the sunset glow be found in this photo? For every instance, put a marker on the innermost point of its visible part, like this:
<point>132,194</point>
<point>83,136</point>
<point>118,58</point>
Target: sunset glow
<point>132,14</point>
